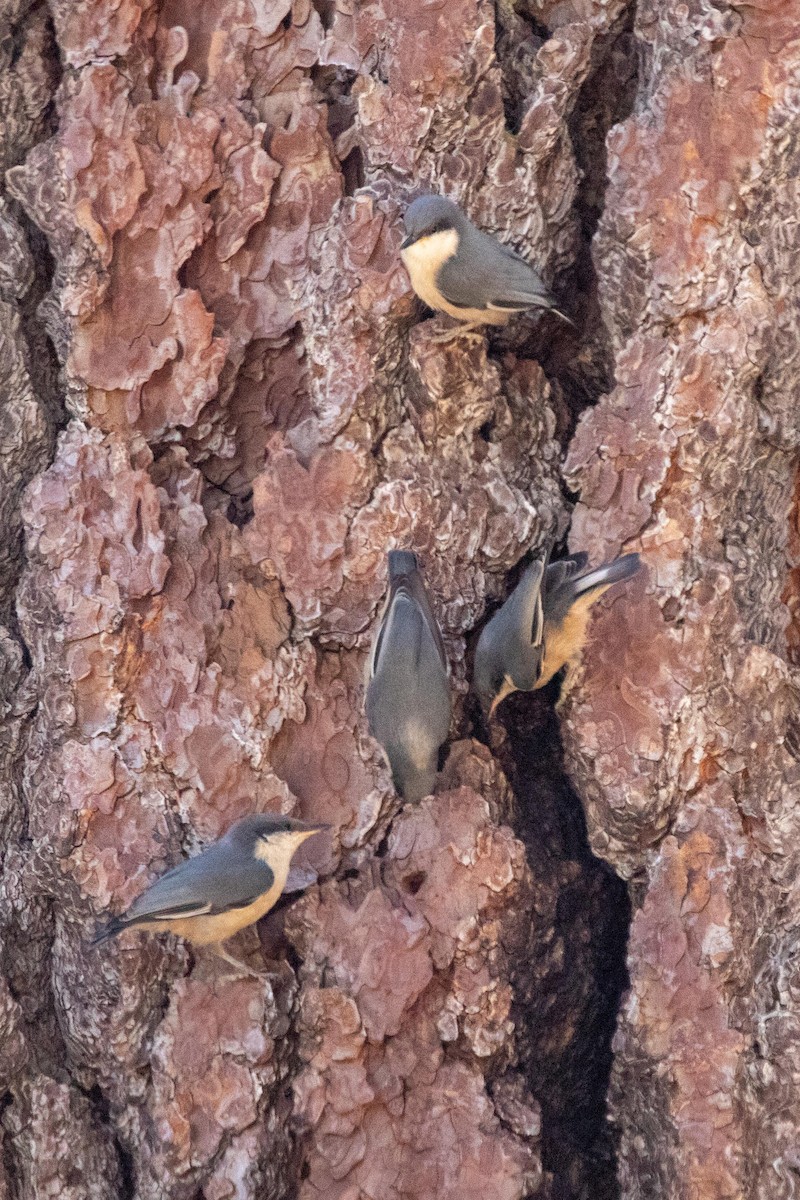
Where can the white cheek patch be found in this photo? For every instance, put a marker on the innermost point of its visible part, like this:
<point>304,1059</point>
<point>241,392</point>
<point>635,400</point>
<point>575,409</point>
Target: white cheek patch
<point>424,258</point>
<point>432,250</point>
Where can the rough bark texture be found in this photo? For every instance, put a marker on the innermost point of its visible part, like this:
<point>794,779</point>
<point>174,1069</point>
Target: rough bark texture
<point>690,767</point>
<point>200,288</point>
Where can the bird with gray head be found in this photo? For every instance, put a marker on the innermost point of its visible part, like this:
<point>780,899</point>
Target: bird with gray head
<point>408,695</point>
<point>459,270</point>
<point>230,885</point>
<point>542,626</point>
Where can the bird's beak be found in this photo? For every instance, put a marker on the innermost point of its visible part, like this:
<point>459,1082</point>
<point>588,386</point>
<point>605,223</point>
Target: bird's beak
<point>308,830</point>
<point>563,316</point>
<point>506,690</point>
<point>409,241</point>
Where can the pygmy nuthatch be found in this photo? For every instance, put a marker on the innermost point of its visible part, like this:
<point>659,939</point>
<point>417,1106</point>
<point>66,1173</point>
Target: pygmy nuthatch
<point>408,696</point>
<point>508,656</point>
<point>542,625</point>
<point>229,886</point>
<point>457,269</point>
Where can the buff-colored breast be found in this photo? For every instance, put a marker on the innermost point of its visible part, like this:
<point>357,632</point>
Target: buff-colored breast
<point>204,931</point>
<point>209,929</point>
<point>563,643</point>
<point>423,260</point>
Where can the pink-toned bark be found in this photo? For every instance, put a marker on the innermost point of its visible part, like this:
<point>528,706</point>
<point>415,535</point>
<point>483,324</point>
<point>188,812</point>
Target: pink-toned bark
<point>688,764</point>
<point>253,414</point>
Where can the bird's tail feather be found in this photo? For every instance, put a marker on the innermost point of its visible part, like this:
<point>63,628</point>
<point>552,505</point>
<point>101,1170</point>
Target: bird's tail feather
<point>524,301</point>
<point>609,573</point>
<point>109,930</point>
<point>563,316</point>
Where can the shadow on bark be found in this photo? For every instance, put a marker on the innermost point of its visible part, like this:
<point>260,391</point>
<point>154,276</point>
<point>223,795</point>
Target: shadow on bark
<point>566,1005</point>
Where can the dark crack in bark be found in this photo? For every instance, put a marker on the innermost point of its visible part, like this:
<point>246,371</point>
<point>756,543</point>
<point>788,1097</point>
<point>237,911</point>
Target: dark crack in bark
<point>566,1008</point>
<point>568,1005</point>
<point>584,373</point>
<point>31,411</point>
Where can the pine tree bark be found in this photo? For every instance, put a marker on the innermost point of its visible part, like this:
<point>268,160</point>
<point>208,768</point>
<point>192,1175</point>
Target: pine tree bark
<point>222,405</point>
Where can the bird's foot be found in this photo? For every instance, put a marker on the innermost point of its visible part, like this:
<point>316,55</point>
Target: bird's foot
<point>240,967</point>
<point>272,969</point>
<point>471,330</point>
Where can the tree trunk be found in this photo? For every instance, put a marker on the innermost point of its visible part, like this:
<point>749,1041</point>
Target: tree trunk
<point>222,405</point>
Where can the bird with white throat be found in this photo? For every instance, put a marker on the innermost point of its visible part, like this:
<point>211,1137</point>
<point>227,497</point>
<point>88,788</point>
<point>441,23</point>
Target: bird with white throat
<point>457,269</point>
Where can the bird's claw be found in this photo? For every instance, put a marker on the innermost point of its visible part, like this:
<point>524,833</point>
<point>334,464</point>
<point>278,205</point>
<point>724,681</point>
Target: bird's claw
<point>240,967</point>
<point>472,332</point>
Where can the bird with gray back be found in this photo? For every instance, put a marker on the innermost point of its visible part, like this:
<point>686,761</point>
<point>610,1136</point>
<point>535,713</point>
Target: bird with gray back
<point>508,656</point>
<point>408,694</point>
<point>542,626</point>
<point>459,270</point>
<point>230,885</point>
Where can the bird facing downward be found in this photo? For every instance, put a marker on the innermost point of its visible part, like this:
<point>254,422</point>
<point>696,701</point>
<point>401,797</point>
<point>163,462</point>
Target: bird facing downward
<point>542,625</point>
<point>408,695</point>
<point>459,270</point>
<point>229,886</point>
<point>508,656</point>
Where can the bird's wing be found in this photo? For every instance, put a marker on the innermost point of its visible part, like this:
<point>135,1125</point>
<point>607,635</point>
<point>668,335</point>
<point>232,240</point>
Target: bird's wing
<point>377,644</point>
<point>568,579</point>
<point>525,625</point>
<point>409,641</point>
<point>484,273</point>
<point>408,626</point>
<point>516,285</point>
<point>433,634</point>
<point>214,882</point>
<point>510,646</point>
<point>410,689</point>
<point>408,698</point>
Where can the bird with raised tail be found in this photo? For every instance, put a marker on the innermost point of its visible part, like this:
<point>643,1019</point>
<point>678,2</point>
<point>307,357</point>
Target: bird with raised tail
<point>457,269</point>
<point>542,626</point>
<point>232,884</point>
<point>408,695</point>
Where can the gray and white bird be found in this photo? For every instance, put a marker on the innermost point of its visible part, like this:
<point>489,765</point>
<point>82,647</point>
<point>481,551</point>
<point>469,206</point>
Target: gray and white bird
<point>542,625</point>
<point>408,696</point>
<point>459,270</point>
<point>230,885</point>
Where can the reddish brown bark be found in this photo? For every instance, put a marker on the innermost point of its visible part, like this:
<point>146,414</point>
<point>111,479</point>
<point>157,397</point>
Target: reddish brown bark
<point>253,413</point>
<point>693,772</point>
